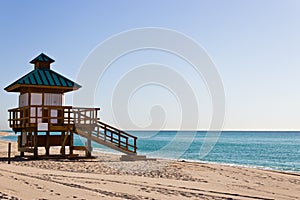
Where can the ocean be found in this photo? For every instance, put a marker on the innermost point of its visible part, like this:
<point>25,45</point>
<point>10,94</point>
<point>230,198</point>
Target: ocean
<point>277,150</point>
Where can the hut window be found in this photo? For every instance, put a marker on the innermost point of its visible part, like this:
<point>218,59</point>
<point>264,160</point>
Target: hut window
<point>54,114</point>
<point>36,99</point>
<point>23,100</point>
<point>35,114</point>
<point>52,99</point>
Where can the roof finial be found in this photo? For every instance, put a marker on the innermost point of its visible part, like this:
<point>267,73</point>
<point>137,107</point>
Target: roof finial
<point>42,61</point>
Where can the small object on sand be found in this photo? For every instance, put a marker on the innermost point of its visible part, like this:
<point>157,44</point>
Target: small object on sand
<point>9,150</point>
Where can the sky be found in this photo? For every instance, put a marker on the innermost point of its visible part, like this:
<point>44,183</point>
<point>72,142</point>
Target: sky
<point>254,44</point>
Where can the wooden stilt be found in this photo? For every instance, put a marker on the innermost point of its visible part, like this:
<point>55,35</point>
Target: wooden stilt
<point>35,150</point>
<point>20,144</point>
<point>88,146</point>
<point>20,139</point>
<point>71,142</point>
<point>47,147</point>
<point>63,147</point>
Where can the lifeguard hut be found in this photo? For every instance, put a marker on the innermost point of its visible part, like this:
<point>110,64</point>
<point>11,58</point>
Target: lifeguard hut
<point>43,121</point>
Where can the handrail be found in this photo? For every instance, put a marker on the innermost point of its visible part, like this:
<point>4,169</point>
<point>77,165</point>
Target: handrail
<point>118,130</point>
<point>86,119</point>
<point>112,139</point>
<point>40,106</point>
<point>112,135</point>
<point>85,108</point>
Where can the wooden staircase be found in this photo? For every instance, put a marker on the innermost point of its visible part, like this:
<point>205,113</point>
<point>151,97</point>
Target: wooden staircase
<point>90,127</point>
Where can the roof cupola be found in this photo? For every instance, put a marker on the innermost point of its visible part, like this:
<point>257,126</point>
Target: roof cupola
<point>42,61</point>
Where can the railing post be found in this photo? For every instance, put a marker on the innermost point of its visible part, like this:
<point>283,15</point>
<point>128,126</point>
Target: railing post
<point>36,115</point>
<point>69,116</point>
<point>85,119</point>
<point>10,119</point>
<point>134,145</point>
<point>97,131</point>
<point>14,117</point>
<point>119,138</point>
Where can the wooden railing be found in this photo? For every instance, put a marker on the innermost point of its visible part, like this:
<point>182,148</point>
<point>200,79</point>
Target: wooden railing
<point>31,116</point>
<point>118,137</point>
<point>85,115</point>
<point>86,119</point>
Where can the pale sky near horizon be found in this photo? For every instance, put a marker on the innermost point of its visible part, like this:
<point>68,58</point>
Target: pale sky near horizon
<point>254,44</point>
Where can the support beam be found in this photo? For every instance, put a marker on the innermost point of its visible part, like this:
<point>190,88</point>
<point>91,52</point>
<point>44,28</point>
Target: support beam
<point>20,144</point>
<point>35,150</point>
<point>71,148</point>
<point>47,147</point>
<point>20,139</point>
<point>89,146</point>
<point>63,147</point>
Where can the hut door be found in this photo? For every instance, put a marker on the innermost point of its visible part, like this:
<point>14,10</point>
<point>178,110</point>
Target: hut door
<point>45,116</point>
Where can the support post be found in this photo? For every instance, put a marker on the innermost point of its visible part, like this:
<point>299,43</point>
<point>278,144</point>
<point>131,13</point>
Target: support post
<point>89,145</point>
<point>20,144</point>
<point>9,151</point>
<point>47,147</point>
<point>63,147</point>
<point>20,139</point>
<point>134,145</point>
<point>119,139</point>
<point>35,150</point>
<point>71,142</point>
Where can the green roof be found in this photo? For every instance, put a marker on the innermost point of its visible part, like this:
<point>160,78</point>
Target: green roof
<point>43,77</point>
<point>42,58</point>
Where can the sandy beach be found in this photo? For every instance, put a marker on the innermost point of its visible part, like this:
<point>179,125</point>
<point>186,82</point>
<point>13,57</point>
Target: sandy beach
<point>105,177</point>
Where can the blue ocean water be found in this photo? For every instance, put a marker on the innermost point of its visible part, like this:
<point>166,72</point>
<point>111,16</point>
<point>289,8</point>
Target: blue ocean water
<point>277,150</point>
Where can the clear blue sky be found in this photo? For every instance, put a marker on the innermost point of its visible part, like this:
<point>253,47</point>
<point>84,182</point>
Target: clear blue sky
<point>255,45</point>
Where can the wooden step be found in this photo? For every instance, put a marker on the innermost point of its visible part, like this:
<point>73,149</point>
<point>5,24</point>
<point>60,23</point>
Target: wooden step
<point>106,143</point>
<point>26,149</point>
<point>88,126</point>
<point>79,148</point>
<point>135,158</point>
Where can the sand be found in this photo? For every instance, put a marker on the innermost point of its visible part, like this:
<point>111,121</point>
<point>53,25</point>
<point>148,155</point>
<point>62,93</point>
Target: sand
<point>108,178</point>
<point>3,133</point>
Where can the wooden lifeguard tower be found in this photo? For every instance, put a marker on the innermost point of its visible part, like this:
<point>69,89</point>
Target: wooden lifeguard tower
<point>43,121</point>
